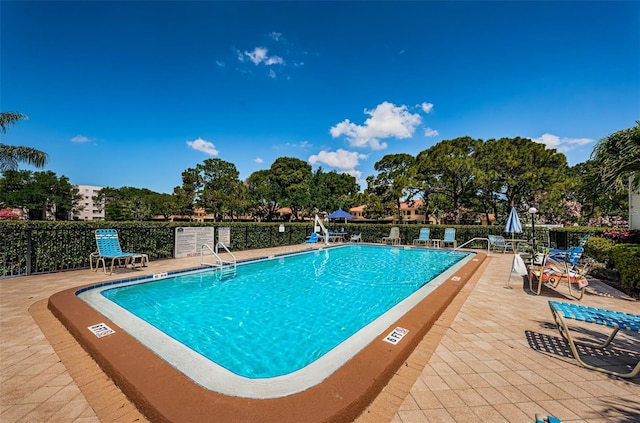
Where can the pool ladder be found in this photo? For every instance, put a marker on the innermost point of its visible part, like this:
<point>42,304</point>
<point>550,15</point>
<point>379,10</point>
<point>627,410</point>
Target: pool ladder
<point>227,268</point>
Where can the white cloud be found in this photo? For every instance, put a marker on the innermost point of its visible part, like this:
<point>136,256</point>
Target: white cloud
<point>427,107</point>
<point>563,144</point>
<point>220,63</point>
<point>387,120</point>
<point>276,35</point>
<point>259,55</point>
<point>343,160</point>
<point>303,145</point>
<point>428,132</point>
<point>258,160</point>
<point>80,138</point>
<point>204,146</point>
<point>272,73</point>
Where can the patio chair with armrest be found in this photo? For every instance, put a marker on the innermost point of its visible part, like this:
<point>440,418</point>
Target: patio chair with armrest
<point>357,237</point>
<point>109,249</point>
<point>498,242</point>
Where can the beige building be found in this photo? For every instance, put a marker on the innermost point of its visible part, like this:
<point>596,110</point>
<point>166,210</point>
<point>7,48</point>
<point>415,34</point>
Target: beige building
<point>86,208</point>
<point>411,213</point>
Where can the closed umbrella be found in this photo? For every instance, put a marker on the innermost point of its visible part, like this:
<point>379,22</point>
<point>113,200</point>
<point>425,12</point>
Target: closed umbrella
<point>513,223</point>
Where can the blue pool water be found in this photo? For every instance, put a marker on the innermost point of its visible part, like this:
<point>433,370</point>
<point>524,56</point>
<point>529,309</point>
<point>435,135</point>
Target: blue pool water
<point>278,316</point>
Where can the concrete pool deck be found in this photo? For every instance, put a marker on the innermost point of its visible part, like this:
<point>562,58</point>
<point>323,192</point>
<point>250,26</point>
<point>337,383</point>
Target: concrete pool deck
<point>494,355</point>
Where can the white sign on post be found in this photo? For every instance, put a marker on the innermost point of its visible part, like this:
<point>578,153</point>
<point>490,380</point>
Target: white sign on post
<point>189,241</point>
<point>224,236</point>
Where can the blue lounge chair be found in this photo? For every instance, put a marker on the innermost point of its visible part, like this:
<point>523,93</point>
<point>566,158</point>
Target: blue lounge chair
<point>613,319</point>
<point>450,237</point>
<point>423,238</point>
<point>549,419</point>
<point>109,249</point>
<point>573,254</point>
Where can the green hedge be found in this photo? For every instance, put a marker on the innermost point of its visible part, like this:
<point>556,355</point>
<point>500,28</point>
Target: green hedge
<point>599,249</point>
<point>56,246</point>
<point>626,259</point>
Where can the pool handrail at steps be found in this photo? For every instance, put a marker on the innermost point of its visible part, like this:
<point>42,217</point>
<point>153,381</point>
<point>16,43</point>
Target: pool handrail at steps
<point>225,266</point>
<point>475,239</point>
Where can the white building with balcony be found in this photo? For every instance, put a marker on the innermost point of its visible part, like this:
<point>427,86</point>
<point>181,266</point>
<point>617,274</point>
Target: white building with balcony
<point>86,208</point>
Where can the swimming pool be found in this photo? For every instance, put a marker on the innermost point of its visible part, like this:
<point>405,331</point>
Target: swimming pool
<point>283,324</point>
<point>163,393</point>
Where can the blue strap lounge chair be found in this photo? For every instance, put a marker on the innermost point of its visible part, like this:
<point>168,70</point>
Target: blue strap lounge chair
<point>450,237</point>
<point>109,249</point>
<point>613,319</point>
<point>573,254</point>
<point>423,238</point>
<point>549,419</point>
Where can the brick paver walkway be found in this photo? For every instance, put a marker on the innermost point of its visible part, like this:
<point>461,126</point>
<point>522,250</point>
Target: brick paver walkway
<point>494,356</point>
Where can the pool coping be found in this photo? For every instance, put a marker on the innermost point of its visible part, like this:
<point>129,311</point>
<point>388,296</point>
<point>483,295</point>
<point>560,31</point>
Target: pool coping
<point>163,393</point>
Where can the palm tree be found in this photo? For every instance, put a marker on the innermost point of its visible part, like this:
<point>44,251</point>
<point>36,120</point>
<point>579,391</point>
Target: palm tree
<point>618,156</point>
<point>11,155</point>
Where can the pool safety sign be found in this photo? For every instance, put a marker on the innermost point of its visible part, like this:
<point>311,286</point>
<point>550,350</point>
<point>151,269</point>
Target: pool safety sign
<point>396,335</point>
<point>101,330</point>
<point>189,241</point>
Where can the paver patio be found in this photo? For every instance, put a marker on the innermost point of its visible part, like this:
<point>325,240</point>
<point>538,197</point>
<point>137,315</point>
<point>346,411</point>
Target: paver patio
<point>493,356</point>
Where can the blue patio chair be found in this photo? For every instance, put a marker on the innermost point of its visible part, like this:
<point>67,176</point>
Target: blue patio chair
<point>498,242</point>
<point>109,249</point>
<point>450,237</point>
<point>423,238</point>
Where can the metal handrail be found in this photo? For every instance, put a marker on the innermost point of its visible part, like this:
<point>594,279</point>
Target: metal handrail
<point>476,239</point>
<point>221,262</point>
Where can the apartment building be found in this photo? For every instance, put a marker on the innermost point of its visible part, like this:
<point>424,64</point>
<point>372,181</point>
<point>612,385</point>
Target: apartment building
<point>86,208</point>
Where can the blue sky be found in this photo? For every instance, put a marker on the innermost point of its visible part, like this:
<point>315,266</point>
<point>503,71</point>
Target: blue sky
<point>133,93</point>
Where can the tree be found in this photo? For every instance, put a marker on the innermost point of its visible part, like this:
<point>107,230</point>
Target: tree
<point>262,195</point>
<point>45,196</point>
<point>618,156</point>
<point>332,190</point>
<point>130,203</point>
<point>215,186</point>
<point>396,176</point>
<point>292,180</point>
<point>599,203</point>
<point>521,169</point>
<point>11,155</point>
<point>451,163</point>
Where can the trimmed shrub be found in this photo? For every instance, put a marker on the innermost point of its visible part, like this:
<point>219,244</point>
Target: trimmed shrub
<point>598,249</point>
<point>626,259</point>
